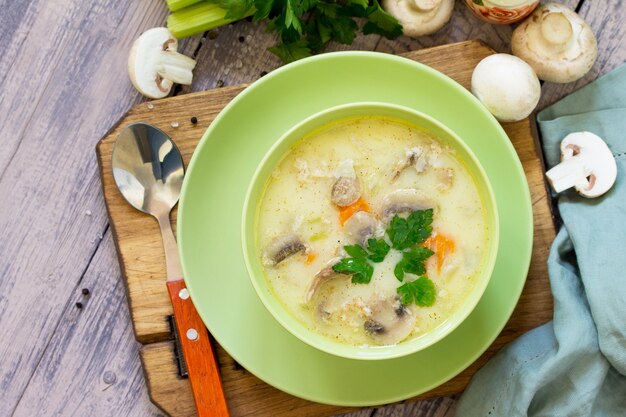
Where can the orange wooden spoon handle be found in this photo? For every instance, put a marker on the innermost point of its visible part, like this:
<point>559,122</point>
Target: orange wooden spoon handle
<point>204,376</point>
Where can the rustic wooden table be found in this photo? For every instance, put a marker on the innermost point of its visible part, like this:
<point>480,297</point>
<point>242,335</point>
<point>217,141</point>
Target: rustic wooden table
<point>63,84</point>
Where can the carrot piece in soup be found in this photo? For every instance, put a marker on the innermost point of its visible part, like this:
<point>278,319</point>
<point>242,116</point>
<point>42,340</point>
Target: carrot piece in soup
<point>346,212</point>
<point>441,245</point>
<point>310,258</point>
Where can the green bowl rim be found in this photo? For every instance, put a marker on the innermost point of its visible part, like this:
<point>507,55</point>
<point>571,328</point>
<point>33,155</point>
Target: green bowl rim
<point>373,352</point>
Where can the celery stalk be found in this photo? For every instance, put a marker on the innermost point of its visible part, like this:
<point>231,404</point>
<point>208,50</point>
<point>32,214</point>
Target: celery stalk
<point>198,18</point>
<point>174,5</point>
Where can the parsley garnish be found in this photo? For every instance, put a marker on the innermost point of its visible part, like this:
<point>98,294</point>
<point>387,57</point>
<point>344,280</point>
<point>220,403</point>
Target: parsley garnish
<point>421,291</point>
<point>412,262</point>
<point>411,231</point>
<point>406,235</point>
<point>356,251</point>
<point>359,268</point>
<point>357,265</point>
<point>378,249</point>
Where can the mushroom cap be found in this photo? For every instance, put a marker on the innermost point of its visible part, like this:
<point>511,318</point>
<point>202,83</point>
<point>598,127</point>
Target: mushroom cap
<point>507,86</point>
<point>405,200</point>
<point>143,62</point>
<point>281,248</point>
<point>556,42</point>
<point>587,164</point>
<point>390,322</point>
<point>360,227</point>
<point>420,17</point>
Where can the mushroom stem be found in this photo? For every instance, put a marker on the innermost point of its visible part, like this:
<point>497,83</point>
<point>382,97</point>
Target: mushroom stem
<point>176,67</point>
<point>569,173</point>
<point>557,29</point>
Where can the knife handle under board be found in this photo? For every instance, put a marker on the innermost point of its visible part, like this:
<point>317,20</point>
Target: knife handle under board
<point>204,376</point>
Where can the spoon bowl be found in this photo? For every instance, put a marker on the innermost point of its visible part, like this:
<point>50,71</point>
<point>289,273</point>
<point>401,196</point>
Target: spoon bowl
<point>148,169</point>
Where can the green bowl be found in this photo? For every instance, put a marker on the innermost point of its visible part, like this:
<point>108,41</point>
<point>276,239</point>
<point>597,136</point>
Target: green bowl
<point>251,249</point>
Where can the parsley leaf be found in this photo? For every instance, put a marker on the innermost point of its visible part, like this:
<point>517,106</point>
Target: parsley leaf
<point>235,9</point>
<point>378,249</point>
<point>361,3</point>
<point>421,291</point>
<point>343,29</point>
<point>263,9</point>
<point>360,269</point>
<point>319,34</point>
<point>420,224</point>
<point>291,18</point>
<point>413,230</point>
<point>356,251</point>
<point>330,10</point>
<point>398,232</point>
<point>381,22</point>
<point>291,51</point>
<point>412,262</point>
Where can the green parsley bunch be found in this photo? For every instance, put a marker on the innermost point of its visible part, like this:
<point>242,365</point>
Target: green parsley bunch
<point>304,27</point>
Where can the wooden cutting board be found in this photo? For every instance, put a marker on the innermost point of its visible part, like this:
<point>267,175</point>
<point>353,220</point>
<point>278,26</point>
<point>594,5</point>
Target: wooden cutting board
<point>143,264</point>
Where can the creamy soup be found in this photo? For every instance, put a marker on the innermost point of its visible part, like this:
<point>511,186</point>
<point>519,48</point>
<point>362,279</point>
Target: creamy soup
<point>371,231</point>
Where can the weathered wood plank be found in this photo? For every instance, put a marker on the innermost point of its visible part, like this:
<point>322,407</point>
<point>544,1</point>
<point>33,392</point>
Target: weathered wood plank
<point>440,407</point>
<point>58,97</point>
<point>362,413</point>
<point>91,367</point>
<point>607,21</point>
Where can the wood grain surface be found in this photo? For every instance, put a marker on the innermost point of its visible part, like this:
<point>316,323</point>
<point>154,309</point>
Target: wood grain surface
<point>63,85</point>
<point>141,256</point>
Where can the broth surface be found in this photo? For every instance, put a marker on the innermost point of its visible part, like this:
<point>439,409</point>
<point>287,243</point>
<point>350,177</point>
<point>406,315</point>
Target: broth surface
<point>298,222</point>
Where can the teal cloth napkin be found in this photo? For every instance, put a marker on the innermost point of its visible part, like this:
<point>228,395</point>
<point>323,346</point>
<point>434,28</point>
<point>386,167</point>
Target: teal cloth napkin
<point>576,364</point>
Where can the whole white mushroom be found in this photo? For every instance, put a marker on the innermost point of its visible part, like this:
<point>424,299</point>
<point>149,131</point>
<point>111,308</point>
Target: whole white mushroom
<point>507,86</point>
<point>556,42</point>
<point>420,17</point>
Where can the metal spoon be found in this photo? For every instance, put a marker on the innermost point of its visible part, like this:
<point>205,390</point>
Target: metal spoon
<point>148,170</point>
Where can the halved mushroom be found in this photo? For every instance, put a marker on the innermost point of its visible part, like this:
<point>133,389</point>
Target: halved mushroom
<point>556,42</point>
<point>346,189</point>
<point>390,322</point>
<point>324,275</point>
<point>420,17</point>
<point>281,248</point>
<point>360,227</point>
<point>405,201</point>
<point>154,65</point>
<point>586,163</point>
